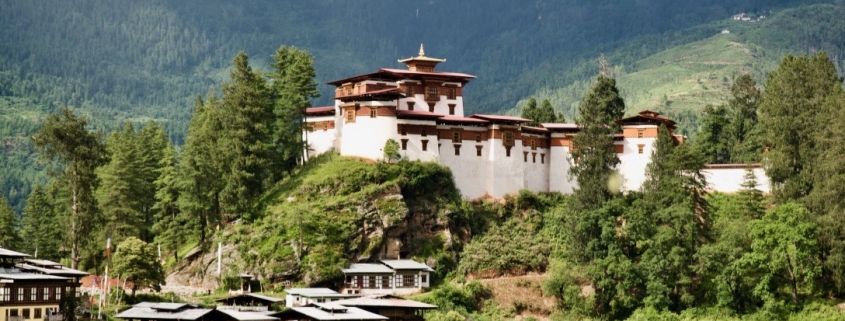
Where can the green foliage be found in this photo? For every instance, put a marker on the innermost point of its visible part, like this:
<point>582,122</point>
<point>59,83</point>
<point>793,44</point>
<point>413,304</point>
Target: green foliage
<point>513,248</point>
<point>42,230</point>
<point>391,151</point>
<point>9,237</point>
<point>138,262</point>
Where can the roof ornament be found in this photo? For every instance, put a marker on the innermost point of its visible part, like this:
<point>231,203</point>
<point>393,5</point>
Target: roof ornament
<point>422,51</point>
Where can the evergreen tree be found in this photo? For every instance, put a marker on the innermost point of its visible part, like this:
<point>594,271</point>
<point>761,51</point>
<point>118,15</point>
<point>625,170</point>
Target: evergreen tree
<point>42,231</point>
<point>9,237</point>
<point>153,144</point>
<point>293,87</point>
<point>712,139</point>
<point>73,153</point>
<point>246,138</point>
<point>169,226</point>
<point>529,111</point>
<point>546,114</point>
<point>119,191</point>
<point>743,143</point>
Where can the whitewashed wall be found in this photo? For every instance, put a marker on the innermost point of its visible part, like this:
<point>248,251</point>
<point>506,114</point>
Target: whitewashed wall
<point>729,180</point>
<point>414,147</point>
<point>319,141</point>
<point>535,174</point>
<point>505,175</point>
<point>469,170</point>
<point>366,136</point>
<point>632,165</point>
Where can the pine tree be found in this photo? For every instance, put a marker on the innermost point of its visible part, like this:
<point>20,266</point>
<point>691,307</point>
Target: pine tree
<point>246,114</point>
<point>73,153</point>
<point>546,113</point>
<point>41,232</point>
<point>293,87</point>
<point>119,192</point>
<point>530,111</point>
<point>169,223</point>
<point>743,143</point>
<point>153,143</point>
<point>712,139</point>
<point>9,237</point>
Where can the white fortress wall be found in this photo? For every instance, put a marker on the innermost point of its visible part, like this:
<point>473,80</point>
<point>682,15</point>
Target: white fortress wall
<point>505,174</point>
<point>366,136</point>
<point>414,149</point>
<point>730,179</point>
<point>468,169</point>
<point>633,164</point>
<point>319,140</point>
<point>560,161</point>
<point>536,168</point>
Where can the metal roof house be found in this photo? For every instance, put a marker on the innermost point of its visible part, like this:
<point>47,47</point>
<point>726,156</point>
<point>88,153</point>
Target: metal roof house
<point>32,291</point>
<point>249,302</point>
<point>327,311</point>
<point>300,297</point>
<point>393,307</point>
<point>148,311</point>
<point>390,276</point>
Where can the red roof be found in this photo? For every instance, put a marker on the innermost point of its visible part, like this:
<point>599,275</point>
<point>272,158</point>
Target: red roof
<point>647,117</point>
<point>319,110</point>
<point>389,74</point>
<point>726,166</point>
<point>500,118</point>
<point>428,73</point>
<point>417,114</point>
<point>455,119</point>
<point>534,129</point>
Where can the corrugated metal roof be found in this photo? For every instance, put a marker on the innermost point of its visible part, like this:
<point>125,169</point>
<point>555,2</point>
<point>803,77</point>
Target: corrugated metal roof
<point>406,265</point>
<point>319,110</point>
<point>301,291</point>
<point>427,73</point>
<point>387,301</point>
<point>247,316</point>
<point>144,311</point>
<point>352,313</point>
<point>560,125</point>
<point>12,254</point>
<point>500,118</point>
<point>12,275</point>
<point>417,113</point>
<point>456,119</point>
<point>257,296</point>
<point>53,271</point>
<point>367,268</point>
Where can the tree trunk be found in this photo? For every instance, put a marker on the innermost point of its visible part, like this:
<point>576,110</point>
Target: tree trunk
<point>793,283</point>
<point>74,216</point>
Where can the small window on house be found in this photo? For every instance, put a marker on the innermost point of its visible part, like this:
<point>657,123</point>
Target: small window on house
<point>424,145</point>
<point>525,157</point>
<point>477,138</point>
<point>20,294</point>
<point>25,313</point>
<point>533,157</point>
<point>411,105</point>
<point>36,313</point>
<point>456,137</point>
<point>478,150</point>
<point>403,131</point>
<point>350,115</point>
<point>409,91</point>
<point>373,112</point>
<point>404,144</point>
<point>423,278</point>
<point>451,109</point>
<point>640,133</point>
<point>432,93</point>
<point>507,151</point>
<point>508,139</point>
<point>533,143</point>
<point>450,93</point>
<point>457,150</point>
<point>640,148</point>
<point>542,158</point>
<point>423,133</point>
<point>431,107</point>
<point>13,312</point>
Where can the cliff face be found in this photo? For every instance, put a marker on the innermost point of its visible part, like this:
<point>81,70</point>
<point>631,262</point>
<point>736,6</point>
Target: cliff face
<point>333,212</point>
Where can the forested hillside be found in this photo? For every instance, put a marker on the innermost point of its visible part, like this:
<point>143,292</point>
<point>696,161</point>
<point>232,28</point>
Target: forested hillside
<point>136,61</point>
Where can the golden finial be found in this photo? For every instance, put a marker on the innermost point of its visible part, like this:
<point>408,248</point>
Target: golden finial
<point>422,51</point>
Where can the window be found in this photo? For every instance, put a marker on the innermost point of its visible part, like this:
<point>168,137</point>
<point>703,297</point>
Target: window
<point>369,281</point>
<point>424,145</point>
<point>478,150</point>
<point>20,294</point>
<point>457,150</point>
<point>424,278</point>
<point>13,312</point>
<point>508,139</point>
<point>456,137</point>
<point>542,158</point>
<point>36,313</point>
<point>385,281</point>
<point>411,105</point>
<point>431,107</point>
<point>533,157</point>
<point>640,148</point>
<point>423,132</point>
<point>477,138</point>
<point>409,280</point>
<point>403,131</point>
<point>507,151</point>
<point>405,144</point>
<point>4,294</point>
<point>409,91</point>
<point>350,115</point>
<point>533,143</point>
<point>350,279</point>
<point>33,294</point>
<point>640,133</point>
<point>452,109</point>
<point>525,157</point>
<point>25,313</point>
<point>373,112</point>
<point>46,294</point>
<point>450,93</point>
<point>58,293</point>
<point>432,93</point>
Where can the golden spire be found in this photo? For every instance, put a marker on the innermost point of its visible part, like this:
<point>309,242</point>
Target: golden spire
<point>422,51</point>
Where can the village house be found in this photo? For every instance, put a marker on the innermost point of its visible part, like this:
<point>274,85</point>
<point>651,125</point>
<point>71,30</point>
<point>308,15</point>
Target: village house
<point>386,277</point>
<point>155,311</point>
<point>34,289</point>
<point>249,302</point>
<point>327,311</point>
<point>299,297</point>
<point>393,307</point>
<point>422,109</point>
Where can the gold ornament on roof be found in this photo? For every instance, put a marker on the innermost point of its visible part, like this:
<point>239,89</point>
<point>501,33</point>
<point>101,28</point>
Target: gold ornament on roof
<point>422,51</point>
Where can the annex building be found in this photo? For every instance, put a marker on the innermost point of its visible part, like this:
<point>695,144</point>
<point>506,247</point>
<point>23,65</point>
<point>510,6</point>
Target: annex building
<point>422,109</point>
<point>32,289</point>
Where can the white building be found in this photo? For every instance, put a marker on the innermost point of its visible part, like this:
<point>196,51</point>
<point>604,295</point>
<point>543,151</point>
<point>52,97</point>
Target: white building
<point>299,297</point>
<point>388,277</point>
<point>490,155</point>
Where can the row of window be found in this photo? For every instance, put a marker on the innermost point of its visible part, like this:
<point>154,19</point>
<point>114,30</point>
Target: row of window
<point>25,313</point>
<point>383,281</point>
<point>411,105</point>
<point>534,157</point>
<point>432,93</point>
<point>30,294</point>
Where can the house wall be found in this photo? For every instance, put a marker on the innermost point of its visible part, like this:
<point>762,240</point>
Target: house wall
<point>468,169</point>
<point>5,311</point>
<point>535,169</point>
<point>729,180</point>
<point>559,163</point>
<point>320,141</point>
<point>505,174</point>
<point>366,136</point>
<point>413,149</point>
<point>632,164</point>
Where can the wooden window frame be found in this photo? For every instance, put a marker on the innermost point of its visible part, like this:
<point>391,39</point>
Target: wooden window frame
<point>640,132</point>
<point>450,93</point>
<point>350,115</point>
<point>478,150</point>
<point>508,138</point>
<point>403,130</point>
<point>525,157</point>
<point>452,109</point>
<point>36,313</point>
<point>411,105</point>
<point>457,149</point>
<point>534,158</point>
<point>640,148</point>
<point>373,112</point>
<point>409,91</point>
<point>431,107</point>
<point>507,151</point>
<point>432,93</point>
<point>404,144</point>
<point>477,138</point>
<point>423,132</point>
<point>542,158</point>
<point>424,145</point>
<point>25,313</point>
<point>456,137</point>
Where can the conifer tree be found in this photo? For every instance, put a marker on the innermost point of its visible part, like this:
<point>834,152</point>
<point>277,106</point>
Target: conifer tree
<point>743,143</point>
<point>169,227</point>
<point>119,191</point>
<point>41,232</point>
<point>73,153</point>
<point>546,114</point>
<point>9,237</point>
<point>529,111</point>
<point>712,139</point>
<point>293,87</point>
<point>152,142</point>
<point>246,114</point>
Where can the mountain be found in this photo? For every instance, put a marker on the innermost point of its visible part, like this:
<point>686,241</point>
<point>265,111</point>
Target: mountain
<point>123,60</point>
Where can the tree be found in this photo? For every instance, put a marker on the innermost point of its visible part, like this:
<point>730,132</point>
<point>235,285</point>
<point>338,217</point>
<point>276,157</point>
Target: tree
<point>293,86</point>
<point>169,223</point>
<point>42,232</point>
<point>712,138</point>
<point>73,154</point>
<point>9,237</point>
<point>546,114</point>
<point>391,151</point>
<point>120,188</point>
<point>743,143</point>
<point>530,111</point>
<point>246,114</point>
<point>137,261</point>
<point>153,143</point>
